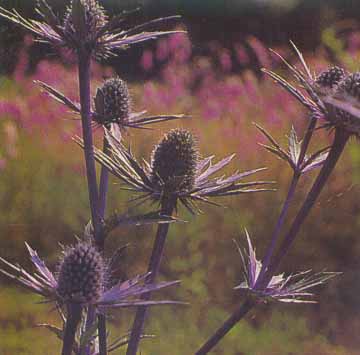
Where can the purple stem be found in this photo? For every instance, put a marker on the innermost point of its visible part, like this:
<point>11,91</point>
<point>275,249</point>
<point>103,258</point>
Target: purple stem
<point>85,99</point>
<point>340,140</point>
<point>167,208</point>
<point>289,198</point>
<point>103,190</point>
<point>72,321</point>
<point>85,102</point>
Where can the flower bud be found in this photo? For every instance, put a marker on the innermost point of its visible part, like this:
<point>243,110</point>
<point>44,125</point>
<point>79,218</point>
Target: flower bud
<point>112,102</point>
<point>174,162</point>
<point>81,274</point>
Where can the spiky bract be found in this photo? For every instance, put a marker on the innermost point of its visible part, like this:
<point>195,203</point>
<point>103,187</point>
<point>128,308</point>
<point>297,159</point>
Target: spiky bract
<point>81,274</point>
<point>174,161</point>
<point>112,102</point>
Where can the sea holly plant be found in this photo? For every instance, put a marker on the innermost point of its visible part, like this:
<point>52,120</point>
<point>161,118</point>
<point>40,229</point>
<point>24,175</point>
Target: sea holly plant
<point>332,97</point>
<point>83,288</point>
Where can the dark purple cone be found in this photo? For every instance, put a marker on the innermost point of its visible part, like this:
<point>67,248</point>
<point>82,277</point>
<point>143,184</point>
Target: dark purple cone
<point>81,274</point>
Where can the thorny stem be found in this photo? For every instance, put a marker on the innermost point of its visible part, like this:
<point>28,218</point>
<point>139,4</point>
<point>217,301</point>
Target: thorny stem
<point>73,318</point>
<point>167,208</point>
<point>226,327</point>
<point>340,140</point>
<point>289,198</point>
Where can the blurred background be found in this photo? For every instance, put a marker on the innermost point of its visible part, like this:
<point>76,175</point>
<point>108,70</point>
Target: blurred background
<point>212,73</point>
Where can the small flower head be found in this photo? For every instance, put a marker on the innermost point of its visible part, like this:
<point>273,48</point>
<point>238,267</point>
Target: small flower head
<point>81,274</point>
<point>174,161</point>
<point>112,103</point>
<point>334,95</point>
<point>328,79</point>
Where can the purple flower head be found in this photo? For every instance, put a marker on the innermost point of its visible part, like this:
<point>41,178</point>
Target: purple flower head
<point>189,179</point>
<point>333,95</point>
<point>112,106</point>
<point>292,288</point>
<point>85,26</point>
<point>82,278</point>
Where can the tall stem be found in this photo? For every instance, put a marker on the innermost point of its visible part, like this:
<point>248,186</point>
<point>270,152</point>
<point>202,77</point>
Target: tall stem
<point>72,321</point>
<point>167,208</point>
<point>85,100</point>
<point>289,198</point>
<point>340,140</point>
<point>276,233</point>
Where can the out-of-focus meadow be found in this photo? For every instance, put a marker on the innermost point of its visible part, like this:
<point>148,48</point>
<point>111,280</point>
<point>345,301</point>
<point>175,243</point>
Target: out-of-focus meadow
<point>43,199</point>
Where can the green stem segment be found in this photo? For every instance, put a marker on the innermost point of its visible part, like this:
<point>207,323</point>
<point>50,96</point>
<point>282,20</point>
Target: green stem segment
<point>167,209</point>
<point>72,321</point>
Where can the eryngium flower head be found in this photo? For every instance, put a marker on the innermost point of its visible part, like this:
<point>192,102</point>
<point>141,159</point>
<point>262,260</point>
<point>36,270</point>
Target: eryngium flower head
<point>334,90</point>
<point>85,26</point>
<point>293,288</point>
<point>178,174</point>
<point>112,106</point>
<point>81,274</point>
<point>112,103</point>
<point>330,78</point>
<point>81,279</point>
<point>174,161</point>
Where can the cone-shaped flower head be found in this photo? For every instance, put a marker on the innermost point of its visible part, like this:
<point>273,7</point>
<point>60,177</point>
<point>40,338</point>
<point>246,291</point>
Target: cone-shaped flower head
<point>174,161</point>
<point>334,95</point>
<point>330,78</point>
<point>112,102</point>
<point>81,274</point>
<point>85,26</point>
